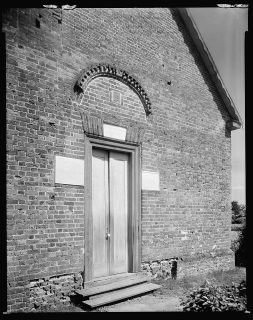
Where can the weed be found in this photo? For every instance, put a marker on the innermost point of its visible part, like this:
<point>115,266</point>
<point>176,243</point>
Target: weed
<point>210,297</point>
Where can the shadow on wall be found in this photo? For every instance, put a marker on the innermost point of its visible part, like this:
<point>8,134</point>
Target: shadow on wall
<point>201,67</point>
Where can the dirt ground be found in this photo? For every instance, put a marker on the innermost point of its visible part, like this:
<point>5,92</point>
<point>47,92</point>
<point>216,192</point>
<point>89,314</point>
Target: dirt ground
<point>146,303</point>
<point>168,297</point>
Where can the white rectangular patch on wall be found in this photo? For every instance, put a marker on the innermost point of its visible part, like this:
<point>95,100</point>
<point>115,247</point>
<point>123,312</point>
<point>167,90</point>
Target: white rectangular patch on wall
<point>69,171</point>
<point>150,181</point>
<point>114,132</point>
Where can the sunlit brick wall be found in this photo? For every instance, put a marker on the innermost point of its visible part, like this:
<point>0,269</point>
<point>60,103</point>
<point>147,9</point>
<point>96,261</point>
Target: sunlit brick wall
<point>185,139</point>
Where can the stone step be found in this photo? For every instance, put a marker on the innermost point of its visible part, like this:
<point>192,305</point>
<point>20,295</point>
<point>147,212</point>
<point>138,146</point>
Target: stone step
<point>116,284</point>
<point>121,294</point>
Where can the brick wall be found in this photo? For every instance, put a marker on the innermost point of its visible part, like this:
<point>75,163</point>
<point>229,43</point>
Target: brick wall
<point>185,138</point>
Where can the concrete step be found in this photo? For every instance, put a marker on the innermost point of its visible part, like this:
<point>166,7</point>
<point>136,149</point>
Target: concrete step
<point>120,294</point>
<point>116,284</point>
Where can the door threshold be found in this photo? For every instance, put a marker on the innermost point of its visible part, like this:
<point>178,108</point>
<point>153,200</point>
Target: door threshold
<point>110,277</point>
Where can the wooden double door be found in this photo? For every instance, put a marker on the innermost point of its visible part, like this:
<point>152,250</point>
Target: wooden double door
<point>110,217</point>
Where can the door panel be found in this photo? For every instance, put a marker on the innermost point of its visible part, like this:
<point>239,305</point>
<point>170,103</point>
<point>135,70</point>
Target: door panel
<point>109,212</point>
<point>118,164</point>
<point>100,212</point>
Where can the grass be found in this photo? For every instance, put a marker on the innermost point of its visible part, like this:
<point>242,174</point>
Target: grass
<point>183,286</point>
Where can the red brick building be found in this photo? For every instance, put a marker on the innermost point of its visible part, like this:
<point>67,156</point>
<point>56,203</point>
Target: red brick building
<point>118,149</point>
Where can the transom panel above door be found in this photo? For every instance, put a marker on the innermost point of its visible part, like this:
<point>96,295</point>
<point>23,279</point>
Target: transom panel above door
<point>110,212</point>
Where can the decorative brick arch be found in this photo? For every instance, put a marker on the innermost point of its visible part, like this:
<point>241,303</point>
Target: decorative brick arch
<point>108,71</point>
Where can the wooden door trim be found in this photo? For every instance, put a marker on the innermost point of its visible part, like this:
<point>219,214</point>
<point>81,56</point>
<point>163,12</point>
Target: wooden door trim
<point>88,239</point>
<point>134,151</point>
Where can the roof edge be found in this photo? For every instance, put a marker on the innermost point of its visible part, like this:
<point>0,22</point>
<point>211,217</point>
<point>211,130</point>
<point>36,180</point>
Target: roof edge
<point>211,67</point>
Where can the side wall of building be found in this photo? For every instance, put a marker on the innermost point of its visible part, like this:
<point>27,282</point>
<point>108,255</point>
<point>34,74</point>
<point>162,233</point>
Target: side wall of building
<point>185,140</point>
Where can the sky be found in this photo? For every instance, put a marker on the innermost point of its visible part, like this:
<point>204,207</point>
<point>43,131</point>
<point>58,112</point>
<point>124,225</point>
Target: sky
<point>223,31</point>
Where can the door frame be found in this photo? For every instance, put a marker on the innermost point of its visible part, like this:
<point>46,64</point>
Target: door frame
<point>133,151</point>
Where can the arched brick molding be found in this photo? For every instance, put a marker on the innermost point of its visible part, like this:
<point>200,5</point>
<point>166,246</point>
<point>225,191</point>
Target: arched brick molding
<point>108,71</point>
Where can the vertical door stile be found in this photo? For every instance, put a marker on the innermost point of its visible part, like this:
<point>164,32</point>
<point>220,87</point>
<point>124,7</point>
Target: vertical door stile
<point>129,219</point>
<point>118,164</point>
<point>107,211</point>
<point>111,212</point>
<point>100,212</point>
